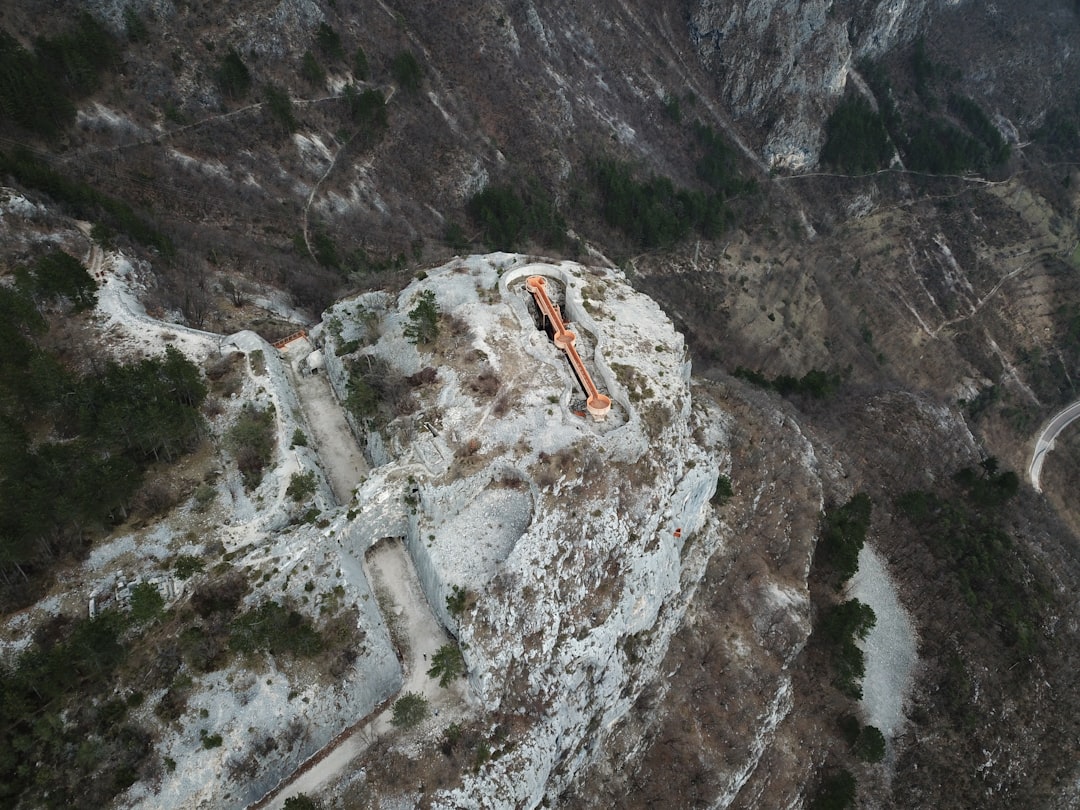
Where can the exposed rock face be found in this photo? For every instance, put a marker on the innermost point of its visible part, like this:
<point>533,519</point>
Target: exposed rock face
<point>582,542</point>
<point>782,64</point>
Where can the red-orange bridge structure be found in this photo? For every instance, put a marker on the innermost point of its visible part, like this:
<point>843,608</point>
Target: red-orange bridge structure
<point>597,404</point>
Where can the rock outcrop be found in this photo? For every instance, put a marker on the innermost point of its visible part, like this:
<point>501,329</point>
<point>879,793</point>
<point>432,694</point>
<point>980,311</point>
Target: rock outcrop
<point>579,543</point>
<point>782,65</point>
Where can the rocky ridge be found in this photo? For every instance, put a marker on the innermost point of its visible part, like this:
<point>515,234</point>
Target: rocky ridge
<point>581,542</point>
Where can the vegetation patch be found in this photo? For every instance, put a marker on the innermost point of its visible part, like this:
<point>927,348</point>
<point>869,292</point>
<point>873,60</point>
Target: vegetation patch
<point>74,449</point>
<point>37,88</point>
<point>839,627</point>
<point>508,215</point>
<point>815,384</point>
<point>409,710</point>
<point>84,201</point>
<point>275,629</point>
<point>855,138</point>
<point>66,740</point>
<point>843,533</point>
<point>252,439</point>
<point>447,664</point>
<point>965,531</point>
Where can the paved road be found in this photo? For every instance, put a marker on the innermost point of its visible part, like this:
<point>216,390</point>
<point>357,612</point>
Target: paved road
<point>1045,443</point>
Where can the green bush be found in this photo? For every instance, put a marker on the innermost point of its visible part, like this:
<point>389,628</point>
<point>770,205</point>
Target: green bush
<point>65,741</point>
<point>843,533</point>
<point>367,109</point>
<point>409,710</point>
<point>509,215</point>
<point>455,237</point>
<point>299,439</point>
<point>837,792</point>
<point>134,25</point>
<point>870,745</point>
<point>37,89</point>
<point>301,486</point>
<point>423,325</point>
<point>252,439</point>
<point>360,64</point>
<point>275,629</point>
<point>839,627</point>
<point>147,603</point>
<point>311,70</point>
<point>56,275</point>
<point>653,212</point>
<point>187,565</point>
<point>1005,591</point>
<point>114,422</point>
<point>723,491</point>
<point>447,664</point>
<point>82,200</point>
<point>329,41</point>
<point>458,600</point>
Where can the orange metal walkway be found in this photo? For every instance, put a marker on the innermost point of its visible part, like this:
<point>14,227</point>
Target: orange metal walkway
<point>285,341</point>
<point>598,404</point>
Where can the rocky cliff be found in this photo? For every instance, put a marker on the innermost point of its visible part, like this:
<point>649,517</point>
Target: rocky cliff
<point>580,542</point>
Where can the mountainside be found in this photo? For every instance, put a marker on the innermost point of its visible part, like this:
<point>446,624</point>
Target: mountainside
<point>821,256</point>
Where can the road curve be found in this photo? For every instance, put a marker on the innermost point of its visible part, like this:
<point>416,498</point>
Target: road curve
<point>1045,443</point>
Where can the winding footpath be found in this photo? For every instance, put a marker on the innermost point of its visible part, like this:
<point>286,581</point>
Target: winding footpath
<point>388,568</point>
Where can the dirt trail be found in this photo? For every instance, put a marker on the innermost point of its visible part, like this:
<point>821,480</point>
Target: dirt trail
<point>406,611</point>
<point>343,462</point>
<point>416,632</point>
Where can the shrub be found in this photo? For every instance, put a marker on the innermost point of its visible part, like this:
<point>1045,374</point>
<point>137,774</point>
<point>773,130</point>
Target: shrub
<point>843,533</point>
<point>134,26</point>
<point>447,664</point>
<point>836,792</point>
<point>205,494</point>
<point>653,212</point>
<point>274,629</point>
<point>311,70</point>
<point>186,566</point>
<point>839,627</point>
<point>409,710</point>
<point>458,601</point>
<point>147,603</point>
<point>301,802</point>
<point>423,326</point>
<point>301,486</point>
<point>870,745</point>
<point>509,214</point>
<point>56,275</point>
<point>455,237</point>
<point>299,439</point>
<point>252,440</point>
<point>280,107</point>
<point>329,41</point>
<point>723,491</point>
<point>360,64</point>
<point>367,109</point>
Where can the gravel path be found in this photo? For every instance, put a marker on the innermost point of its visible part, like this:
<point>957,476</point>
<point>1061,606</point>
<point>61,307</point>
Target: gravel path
<point>343,462</point>
<point>390,571</point>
